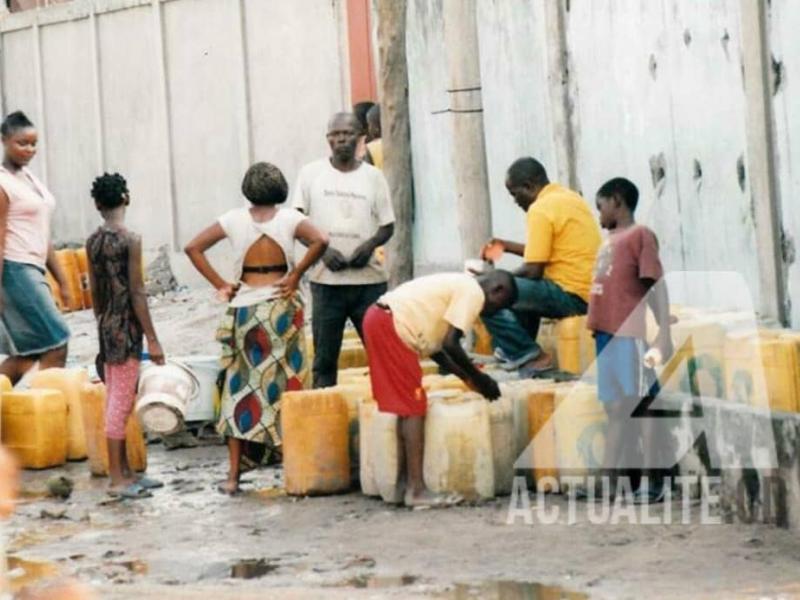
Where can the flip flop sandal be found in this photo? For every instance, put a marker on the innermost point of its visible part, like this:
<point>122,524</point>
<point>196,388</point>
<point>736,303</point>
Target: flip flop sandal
<point>132,492</point>
<point>442,501</point>
<point>532,373</point>
<point>150,484</point>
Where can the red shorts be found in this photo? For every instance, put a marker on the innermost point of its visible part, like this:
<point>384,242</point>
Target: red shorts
<point>394,368</point>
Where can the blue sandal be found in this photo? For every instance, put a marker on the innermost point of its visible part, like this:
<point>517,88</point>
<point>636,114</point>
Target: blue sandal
<point>149,484</point>
<point>134,491</point>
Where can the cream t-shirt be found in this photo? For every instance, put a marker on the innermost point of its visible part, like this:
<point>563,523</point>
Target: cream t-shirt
<point>350,207</point>
<point>425,308</point>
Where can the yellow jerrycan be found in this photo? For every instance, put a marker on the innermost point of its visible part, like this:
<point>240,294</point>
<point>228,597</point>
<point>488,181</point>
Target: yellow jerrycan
<point>69,382</point>
<point>366,454</point>
<point>93,407</point>
<point>354,394</point>
<point>352,354</point>
<point>458,445</point>
<point>379,460</point>
<point>504,443</point>
<point>541,407</point>
<point>69,267</point>
<point>433,383</point>
<point>5,386</point>
<point>359,375</point>
<point>697,366</point>
<point>575,346</point>
<point>763,369</point>
<point>83,272</point>
<point>383,445</point>
<point>580,424</point>
<point>34,427</point>
<point>316,457</point>
<point>483,339</point>
<point>429,367</point>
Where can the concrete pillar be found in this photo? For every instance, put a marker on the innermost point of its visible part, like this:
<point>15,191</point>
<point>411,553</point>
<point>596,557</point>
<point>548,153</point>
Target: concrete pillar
<point>761,170</point>
<point>164,118</point>
<point>396,134</point>
<point>559,89</point>
<point>466,110</point>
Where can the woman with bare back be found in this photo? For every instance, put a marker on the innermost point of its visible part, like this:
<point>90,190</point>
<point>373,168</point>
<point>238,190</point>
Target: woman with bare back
<point>263,344</point>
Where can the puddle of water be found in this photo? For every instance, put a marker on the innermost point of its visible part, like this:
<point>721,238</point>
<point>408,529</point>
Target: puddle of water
<point>22,572</point>
<point>251,568</point>
<point>509,590</point>
<point>385,582</point>
<point>378,581</point>
<point>33,537</point>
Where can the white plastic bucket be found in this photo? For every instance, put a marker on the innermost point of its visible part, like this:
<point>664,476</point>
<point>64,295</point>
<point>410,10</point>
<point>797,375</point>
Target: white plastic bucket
<point>206,368</point>
<point>165,392</point>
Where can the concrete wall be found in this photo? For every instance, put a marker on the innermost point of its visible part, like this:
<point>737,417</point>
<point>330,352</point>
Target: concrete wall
<point>179,96</point>
<point>656,87</point>
<point>653,91</point>
<point>785,51</point>
<point>517,105</point>
<point>436,237</point>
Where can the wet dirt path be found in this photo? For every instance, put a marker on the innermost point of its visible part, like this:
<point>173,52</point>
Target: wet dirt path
<point>189,541</point>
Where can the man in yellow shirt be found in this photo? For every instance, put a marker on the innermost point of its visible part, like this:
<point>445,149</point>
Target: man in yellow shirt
<point>375,144</point>
<point>562,240</point>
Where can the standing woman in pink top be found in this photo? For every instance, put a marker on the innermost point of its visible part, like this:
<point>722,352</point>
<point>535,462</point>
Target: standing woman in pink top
<point>32,327</point>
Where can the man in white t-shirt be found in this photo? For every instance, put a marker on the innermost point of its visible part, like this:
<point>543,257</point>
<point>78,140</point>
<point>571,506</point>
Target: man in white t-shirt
<point>349,199</point>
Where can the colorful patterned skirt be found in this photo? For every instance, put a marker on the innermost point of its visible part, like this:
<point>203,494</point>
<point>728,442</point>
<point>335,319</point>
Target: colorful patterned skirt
<point>263,355</point>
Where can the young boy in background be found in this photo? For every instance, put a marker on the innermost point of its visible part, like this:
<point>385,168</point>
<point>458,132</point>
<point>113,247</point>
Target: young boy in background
<point>625,276</point>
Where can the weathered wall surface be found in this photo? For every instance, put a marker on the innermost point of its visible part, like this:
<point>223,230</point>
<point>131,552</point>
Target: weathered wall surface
<point>654,92</point>
<point>179,96</point>
<point>785,50</point>
<point>516,102</point>
<point>436,237</point>
<point>659,99</point>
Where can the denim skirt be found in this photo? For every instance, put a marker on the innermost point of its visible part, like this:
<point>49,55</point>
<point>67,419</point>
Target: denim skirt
<point>32,323</point>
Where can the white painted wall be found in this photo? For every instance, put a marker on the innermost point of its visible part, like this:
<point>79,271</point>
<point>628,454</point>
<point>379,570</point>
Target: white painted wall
<point>654,78</point>
<point>437,245</point>
<point>655,81</point>
<point>237,81</point>
<point>516,103</point>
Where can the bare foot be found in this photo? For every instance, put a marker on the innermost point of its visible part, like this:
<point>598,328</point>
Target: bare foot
<point>120,484</point>
<point>428,499</point>
<point>231,488</point>
<point>541,362</point>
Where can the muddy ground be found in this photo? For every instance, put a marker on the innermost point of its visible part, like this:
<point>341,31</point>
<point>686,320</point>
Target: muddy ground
<point>189,541</point>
